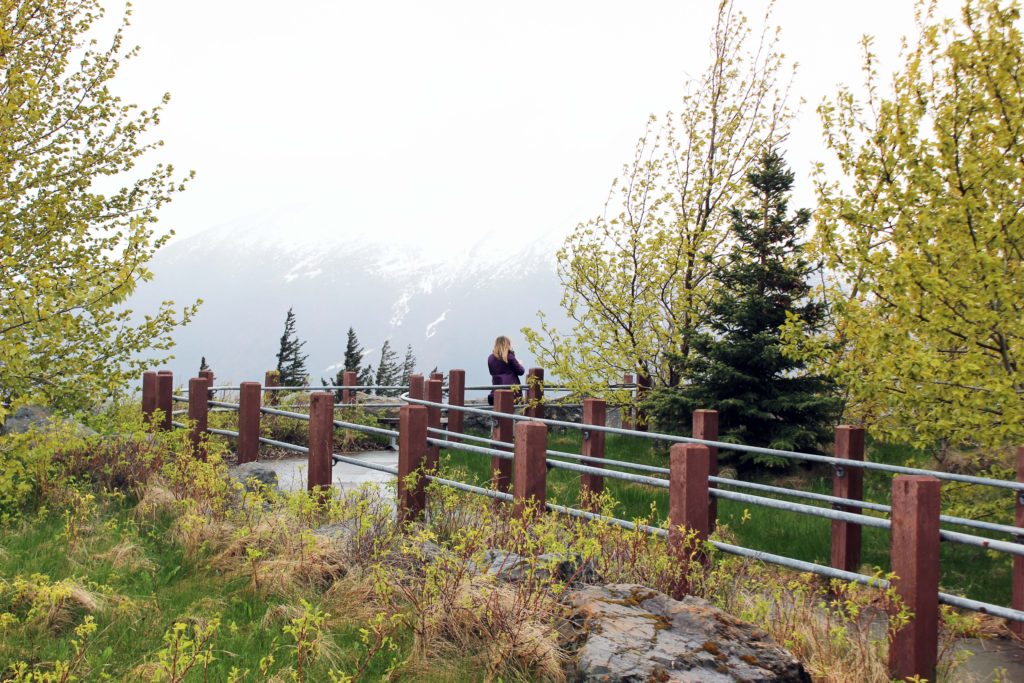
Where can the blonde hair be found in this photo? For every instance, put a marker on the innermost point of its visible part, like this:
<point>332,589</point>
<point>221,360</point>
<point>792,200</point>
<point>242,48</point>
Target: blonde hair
<point>502,345</point>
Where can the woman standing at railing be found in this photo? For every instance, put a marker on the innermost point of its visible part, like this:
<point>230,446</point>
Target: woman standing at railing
<point>503,366</point>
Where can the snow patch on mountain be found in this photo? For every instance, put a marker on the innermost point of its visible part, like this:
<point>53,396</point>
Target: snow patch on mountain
<point>432,327</point>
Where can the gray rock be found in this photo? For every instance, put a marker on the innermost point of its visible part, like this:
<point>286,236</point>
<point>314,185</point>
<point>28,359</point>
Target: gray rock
<point>633,633</point>
<point>250,472</point>
<point>41,419</point>
<point>513,567</point>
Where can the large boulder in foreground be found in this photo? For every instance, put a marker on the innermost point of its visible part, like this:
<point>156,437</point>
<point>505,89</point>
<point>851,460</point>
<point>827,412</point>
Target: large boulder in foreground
<point>632,633</point>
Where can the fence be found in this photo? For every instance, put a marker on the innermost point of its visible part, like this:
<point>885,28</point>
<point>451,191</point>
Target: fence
<point>520,460</point>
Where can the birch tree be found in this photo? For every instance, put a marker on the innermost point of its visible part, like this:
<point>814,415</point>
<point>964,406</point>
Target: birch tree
<point>924,235</point>
<point>77,215</point>
<point>637,277</point>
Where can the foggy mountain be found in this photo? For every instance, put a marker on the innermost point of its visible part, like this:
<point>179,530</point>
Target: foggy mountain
<point>448,300</point>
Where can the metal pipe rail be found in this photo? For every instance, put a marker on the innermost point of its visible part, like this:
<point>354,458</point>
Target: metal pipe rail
<point>799,565</point>
<point>840,515</point>
<point>749,553</point>
<point>312,388</point>
<point>810,510</point>
<point>794,493</point>
<point>378,431</point>
<point>721,445</point>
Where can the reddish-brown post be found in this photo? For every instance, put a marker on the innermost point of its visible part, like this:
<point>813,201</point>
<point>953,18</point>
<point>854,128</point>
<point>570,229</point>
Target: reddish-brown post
<point>165,398</point>
<point>197,414</point>
<point>592,485</point>
<point>416,387</point>
<point>687,507</point>
<point>531,468</point>
<point>433,422</point>
<point>249,422</point>
<point>915,562</point>
<point>627,410</point>
<point>847,482</point>
<point>456,397</point>
<point>208,376</point>
<point>705,426</point>
<point>149,380</point>
<point>501,469</point>
<point>439,376</point>
<point>271,379</point>
<point>350,378</point>
<point>535,393</point>
<point>1017,600</point>
<point>321,439</point>
<point>412,447</point>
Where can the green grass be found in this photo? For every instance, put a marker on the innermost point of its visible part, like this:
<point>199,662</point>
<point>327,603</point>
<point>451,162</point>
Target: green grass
<point>138,606</point>
<point>967,571</point>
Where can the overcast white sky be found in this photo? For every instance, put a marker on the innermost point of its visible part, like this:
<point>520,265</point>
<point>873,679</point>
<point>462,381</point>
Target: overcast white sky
<point>421,121</point>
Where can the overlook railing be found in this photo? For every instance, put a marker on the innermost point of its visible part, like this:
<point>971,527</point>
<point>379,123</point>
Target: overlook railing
<point>520,460</point>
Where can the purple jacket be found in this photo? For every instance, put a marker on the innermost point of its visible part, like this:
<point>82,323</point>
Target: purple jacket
<point>502,372</point>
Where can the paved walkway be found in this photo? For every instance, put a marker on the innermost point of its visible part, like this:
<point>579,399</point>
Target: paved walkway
<point>291,473</point>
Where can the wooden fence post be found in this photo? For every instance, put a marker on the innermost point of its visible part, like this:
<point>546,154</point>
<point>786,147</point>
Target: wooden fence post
<point>149,380</point>
<point>350,378</point>
<point>501,469</point>
<point>847,482</point>
<point>412,446</point>
<point>416,387</point>
<point>165,398</point>
<point>456,397</point>
<point>531,468</point>
<point>439,376</point>
<point>627,410</point>
<point>249,422</point>
<point>321,439</point>
<point>535,393</point>
<point>433,422</point>
<point>705,426</point>
<point>271,379</point>
<point>592,485</point>
<point>1017,600</point>
<point>687,508</point>
<point>913,650</point>
<point>198,409</point>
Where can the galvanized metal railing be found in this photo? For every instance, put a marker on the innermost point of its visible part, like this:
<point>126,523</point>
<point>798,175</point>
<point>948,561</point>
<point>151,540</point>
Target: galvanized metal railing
<point>593,467</point>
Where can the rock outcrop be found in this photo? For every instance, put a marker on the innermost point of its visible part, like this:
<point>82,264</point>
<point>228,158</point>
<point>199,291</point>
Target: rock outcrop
<point>250,472</point>
<point>41,419</point>
<point>632,633</point>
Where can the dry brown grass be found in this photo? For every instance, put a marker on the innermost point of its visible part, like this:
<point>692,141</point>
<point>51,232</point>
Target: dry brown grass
<point>128,556</point>
<point>156,499</point>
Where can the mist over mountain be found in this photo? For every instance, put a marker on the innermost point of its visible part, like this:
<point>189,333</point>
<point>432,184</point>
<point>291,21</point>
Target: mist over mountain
<point>449,300</point>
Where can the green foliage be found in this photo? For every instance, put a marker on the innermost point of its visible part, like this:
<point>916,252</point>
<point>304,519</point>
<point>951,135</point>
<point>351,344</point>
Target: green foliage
<point>763,397</point>
<point>923,238</point>
<point>291,362</point>
<point>76,230</point>
<point>637,279</point>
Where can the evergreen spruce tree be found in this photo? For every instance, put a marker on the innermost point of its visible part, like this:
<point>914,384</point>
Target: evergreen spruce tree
<point>408,365</point>
<point>763,397</point>
<point>368,376</point>
<point>353,353</point>
<point>352,363</point>
<point>389,372</point>
<point>291,362</point>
